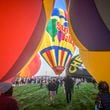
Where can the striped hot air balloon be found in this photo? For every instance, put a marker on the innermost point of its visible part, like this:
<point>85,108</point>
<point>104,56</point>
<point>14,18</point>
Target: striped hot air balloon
<point>58,46</point>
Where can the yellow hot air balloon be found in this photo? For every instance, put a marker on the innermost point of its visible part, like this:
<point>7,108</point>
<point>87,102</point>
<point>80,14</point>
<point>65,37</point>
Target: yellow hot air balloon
<point>58,46</point>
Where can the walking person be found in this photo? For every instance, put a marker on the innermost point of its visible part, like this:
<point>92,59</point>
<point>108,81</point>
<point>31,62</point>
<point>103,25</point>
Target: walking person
<point>57,85</point>
<point>68,85</point>
<point>52,87</point>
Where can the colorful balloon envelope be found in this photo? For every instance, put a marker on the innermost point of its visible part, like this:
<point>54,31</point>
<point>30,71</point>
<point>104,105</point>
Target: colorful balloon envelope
<point>22,25</point>
<point>32,67</point>
<point>90,22</point>
<point>57,46</point>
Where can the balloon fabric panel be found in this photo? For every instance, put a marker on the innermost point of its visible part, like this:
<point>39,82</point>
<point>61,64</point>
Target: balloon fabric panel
<point>16,28</point>
<point>32,68</point>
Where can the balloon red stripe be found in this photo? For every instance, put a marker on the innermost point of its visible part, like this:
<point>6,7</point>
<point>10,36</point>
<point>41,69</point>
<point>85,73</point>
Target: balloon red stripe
<point>50,58</point>
<point>62,57</point>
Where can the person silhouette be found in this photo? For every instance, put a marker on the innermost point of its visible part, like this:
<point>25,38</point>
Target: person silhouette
<point>103,97</point>
<point>68,86</point>
<point>7,101</point>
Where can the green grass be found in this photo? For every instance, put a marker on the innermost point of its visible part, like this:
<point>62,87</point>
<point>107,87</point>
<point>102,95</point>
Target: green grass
<point>32,97</point>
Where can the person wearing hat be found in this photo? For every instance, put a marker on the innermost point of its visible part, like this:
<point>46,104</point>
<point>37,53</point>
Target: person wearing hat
<point>7,101</point>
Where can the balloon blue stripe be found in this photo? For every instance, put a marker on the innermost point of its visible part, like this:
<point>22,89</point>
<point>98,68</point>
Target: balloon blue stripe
<point>55,48</point>
<point>56,54</point>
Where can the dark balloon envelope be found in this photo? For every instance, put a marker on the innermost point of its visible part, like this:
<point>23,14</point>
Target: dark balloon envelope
<point>90,28</point>
<point>76,69</point>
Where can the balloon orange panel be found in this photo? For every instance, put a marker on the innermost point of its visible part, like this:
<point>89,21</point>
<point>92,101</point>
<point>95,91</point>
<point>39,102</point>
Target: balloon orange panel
<point>22,23</point>
<point>32,68</point>
<point>97,63</point>
<point>90,22</point>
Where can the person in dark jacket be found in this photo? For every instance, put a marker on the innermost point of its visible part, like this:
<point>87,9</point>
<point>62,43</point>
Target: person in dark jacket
<point>52,87</point>
<point>103,97</point>
<point>68,85</point>
<point>7,101</point>
<point>57,85</point>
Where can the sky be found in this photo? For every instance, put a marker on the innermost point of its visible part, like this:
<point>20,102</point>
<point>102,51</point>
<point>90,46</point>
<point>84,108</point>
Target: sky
<point>45,69</point>
<point>60,4</point>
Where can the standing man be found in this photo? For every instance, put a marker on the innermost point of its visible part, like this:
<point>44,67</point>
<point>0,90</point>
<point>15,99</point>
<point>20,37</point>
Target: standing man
<point>68,85</point>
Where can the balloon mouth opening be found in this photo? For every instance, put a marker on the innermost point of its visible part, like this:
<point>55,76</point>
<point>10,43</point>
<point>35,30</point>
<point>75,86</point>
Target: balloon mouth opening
<point>58,70</point>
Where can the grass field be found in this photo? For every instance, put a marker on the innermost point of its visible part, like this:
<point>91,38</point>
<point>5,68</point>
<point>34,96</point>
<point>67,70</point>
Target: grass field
<point>32,97</point>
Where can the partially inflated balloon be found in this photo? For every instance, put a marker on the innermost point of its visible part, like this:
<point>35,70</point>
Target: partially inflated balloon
<point>58,46</point>
<point>22,23</point>
<point>90,21</point>
<point>32,67</point>
<point>76,68</point>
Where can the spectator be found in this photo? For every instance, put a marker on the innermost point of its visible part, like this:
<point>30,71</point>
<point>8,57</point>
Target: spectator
<point>52,90</point>
<point>7,101</point>
<point>41,82</point>
<point>57,85</point>
<point>68,85</point>
<point>103,97</point>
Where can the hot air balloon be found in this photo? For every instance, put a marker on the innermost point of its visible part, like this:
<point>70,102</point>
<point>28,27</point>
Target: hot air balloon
<point>32,67</point>
<point>90,22</point>
<point>75,68</point>
<point>22,25</point>
<point>58,46</point>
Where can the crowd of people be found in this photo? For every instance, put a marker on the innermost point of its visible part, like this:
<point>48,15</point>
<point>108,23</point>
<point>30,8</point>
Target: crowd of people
<point>8,102</point>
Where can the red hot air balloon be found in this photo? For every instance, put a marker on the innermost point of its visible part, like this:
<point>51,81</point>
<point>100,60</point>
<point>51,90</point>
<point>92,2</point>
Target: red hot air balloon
<point>22,23</point>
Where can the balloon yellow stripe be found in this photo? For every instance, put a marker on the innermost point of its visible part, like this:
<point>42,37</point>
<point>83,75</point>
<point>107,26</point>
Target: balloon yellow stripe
<point>59,57</point>
<point>53,56</point>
